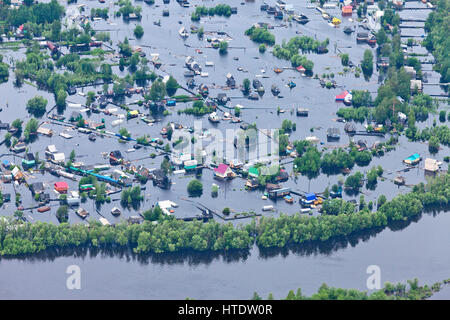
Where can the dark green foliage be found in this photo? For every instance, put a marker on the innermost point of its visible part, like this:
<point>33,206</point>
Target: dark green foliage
<point>260,35</point>
<point>195,188</point>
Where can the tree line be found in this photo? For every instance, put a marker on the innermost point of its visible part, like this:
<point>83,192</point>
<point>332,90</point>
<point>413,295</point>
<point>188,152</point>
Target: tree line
<point>170,235</point>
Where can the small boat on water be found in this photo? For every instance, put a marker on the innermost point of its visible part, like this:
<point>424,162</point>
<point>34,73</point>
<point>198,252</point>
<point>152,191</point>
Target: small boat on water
<point>289,199</point>
<point>183,32</point>
<point>92,137</point>
<point>56,117</point>
<point>256,83</point>
<point>291,85</point>
<point>116,211</point>
<point>277,70</point>
<point>253,96</point>
<point>213,117</point>
<point>275,90</point>
<point>43,209</point>
<point>82,213</point>
<point>348,30</point>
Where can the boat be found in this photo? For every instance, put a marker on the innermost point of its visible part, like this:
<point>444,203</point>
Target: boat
<point>291,84</point>
<point>271,10</point>
<point>348,30</point>
<point>82,213</point>
<point>92,137</point>
<point>277,70</point>
<point>183,32</point>
<point>278,15</point>
<point>256,83</point>
<point>275,90</point>
<point>289,199</point>
<point>43,209</point>
<point>115,211</point>
<point>213,117</point>
<point>348,99</point>
<point>260,89</point>
<point>156,61</point>
<point>56,117</point>
<point>253,96</point>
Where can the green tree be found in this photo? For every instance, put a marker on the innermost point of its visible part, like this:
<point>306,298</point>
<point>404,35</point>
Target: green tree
<point>195,188</point>
<point>37,106</point>
<point>171,86</point>
<point>262,48</point>
<point>354,181</point>
<point>309,163</point>
<point>138,31</point>
<point>246,85</point>
<point>367,63</point>
<point>157,91</point>
<point>223,47</point>
<point>345,59</point>
<point>433,144</point>
<point>62,214</point>
<point>61,97</point>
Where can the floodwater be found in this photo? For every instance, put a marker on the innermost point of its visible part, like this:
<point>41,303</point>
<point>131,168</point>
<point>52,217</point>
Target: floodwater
<point>401,254</point>
<point>207,276</point>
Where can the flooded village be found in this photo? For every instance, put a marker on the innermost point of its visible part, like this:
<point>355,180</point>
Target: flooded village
<point>141,112</point>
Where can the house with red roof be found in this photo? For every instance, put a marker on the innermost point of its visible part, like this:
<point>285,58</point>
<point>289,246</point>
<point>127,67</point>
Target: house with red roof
<point>61,187</point>
<point>347,10</point>
<point>301,69</point>
<point>223,171</point>
<point>342,95</point>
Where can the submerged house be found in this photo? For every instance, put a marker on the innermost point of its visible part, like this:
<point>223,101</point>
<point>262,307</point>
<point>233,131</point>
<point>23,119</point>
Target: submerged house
<point>160,179</point>
<point>28,161</point>
<point>413,160</point>
<point>333,134</point>
<point>279,193</point>
<point>347,10</point>
<point>61,187</point>
<point>362,37</point>
<point>223,172</point>
<point>37,188</point>
<point>415,85</point>
<point>58,158</point>
<point>431,165</point>
<point>231,82</point>
<point>253,172</point>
